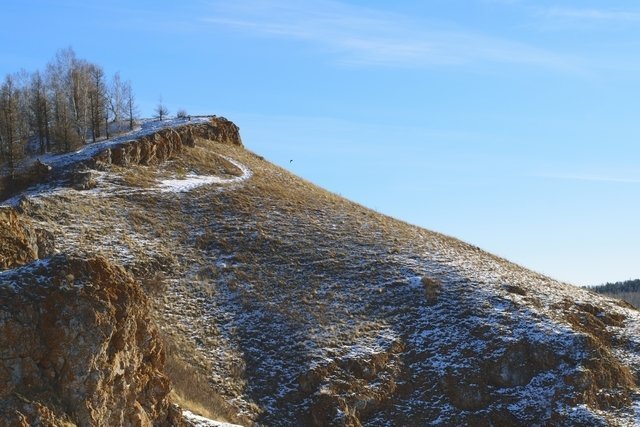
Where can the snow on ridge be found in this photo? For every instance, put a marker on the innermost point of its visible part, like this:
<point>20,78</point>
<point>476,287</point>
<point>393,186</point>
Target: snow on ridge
<point>86,152</point>
<point>147,127</point>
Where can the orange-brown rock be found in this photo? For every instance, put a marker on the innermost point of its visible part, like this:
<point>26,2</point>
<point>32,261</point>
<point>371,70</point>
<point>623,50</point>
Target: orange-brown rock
<point>77,347</point>
<point>20,241</point>
<point>167,143</point>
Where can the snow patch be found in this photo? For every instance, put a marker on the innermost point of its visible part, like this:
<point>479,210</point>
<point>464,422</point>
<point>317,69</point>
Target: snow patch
<point>192,181</point>
<point>415,282</point>
<point>198,421</point>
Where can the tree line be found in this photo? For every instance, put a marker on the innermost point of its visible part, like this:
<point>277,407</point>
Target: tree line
<point>628,291</point>
<point>61,108</point>
<point>618,287</point>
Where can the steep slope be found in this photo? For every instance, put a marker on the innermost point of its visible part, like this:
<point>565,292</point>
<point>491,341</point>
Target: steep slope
<point>282,304</point>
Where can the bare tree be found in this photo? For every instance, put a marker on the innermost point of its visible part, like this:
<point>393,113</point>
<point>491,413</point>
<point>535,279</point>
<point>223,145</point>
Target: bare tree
<point>80,102</point>
<point>39,111</point>
<point>77,99</point>
<point>61,107</point>
<point>161,110</point>
<point>130,104</point>
<point>13,126</point>
<point>7,123</point>
<point>117,98</point>
<point>58,81</point>
<point>97,101</point>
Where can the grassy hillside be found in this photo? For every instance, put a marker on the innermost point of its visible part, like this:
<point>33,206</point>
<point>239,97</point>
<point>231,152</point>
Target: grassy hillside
<point>283,304</point>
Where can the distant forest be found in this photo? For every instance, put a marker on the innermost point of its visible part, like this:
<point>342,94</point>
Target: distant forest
<point>628,290</point>
<point>61,108</point>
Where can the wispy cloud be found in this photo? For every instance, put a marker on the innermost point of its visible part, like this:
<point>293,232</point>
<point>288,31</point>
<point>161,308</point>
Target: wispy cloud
<point>594,14</point>
<point>364,36</point>
<point>593,178</point>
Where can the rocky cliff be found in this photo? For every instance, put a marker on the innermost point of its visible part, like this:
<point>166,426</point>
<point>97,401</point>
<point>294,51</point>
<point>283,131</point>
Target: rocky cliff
<point>77,347</point>
<point>167,143</point>
<point>20,241</point>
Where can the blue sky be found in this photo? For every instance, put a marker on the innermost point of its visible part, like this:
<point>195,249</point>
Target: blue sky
<point>509,124</point>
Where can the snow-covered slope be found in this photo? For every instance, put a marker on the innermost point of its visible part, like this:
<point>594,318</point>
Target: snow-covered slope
<point>296,307</point>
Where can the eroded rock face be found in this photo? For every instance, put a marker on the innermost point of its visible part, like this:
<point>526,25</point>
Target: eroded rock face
<point>167,143</point>
<point>352,387</point>
<point>77,345</point>
<point>520,362</point>
<point>151,149</point>
<point>20,241</point>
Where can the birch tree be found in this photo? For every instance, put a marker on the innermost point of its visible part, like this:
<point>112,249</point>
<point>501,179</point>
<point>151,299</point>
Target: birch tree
<point>58,81</point>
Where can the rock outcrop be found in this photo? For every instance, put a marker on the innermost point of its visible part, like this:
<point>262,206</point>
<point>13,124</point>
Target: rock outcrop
<point>20,241</point>
<point>164,144</point>
<point>351,388</point>
<point>152,148</point>
<point>84,180</point>
<point>77,347</point>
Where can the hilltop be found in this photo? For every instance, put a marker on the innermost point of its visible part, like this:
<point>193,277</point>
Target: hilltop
<point>228,286</point>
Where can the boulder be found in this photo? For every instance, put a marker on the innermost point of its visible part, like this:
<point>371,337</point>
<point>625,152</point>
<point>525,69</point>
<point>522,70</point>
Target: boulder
<point>84,180</point>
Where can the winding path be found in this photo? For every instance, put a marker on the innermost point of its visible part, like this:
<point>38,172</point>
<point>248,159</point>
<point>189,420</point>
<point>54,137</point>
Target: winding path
<point>192,181</point>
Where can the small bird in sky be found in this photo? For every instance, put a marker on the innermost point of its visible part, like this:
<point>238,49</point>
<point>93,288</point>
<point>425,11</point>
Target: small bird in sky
<point>290,161</point>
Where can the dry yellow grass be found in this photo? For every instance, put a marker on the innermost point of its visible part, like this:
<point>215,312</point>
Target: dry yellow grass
<point>138,176</point>
<point>279,233</point>
<point>191,389</point>
<point>203,160</point>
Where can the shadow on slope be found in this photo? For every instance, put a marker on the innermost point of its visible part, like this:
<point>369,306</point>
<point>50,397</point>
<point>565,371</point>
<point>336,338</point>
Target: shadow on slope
<point>322,301</point>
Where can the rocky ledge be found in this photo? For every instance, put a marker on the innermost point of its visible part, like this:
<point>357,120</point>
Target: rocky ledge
<point>149,145</point>
<point>77,347</point>
<point>166,143</point>
<point>20,241</point>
